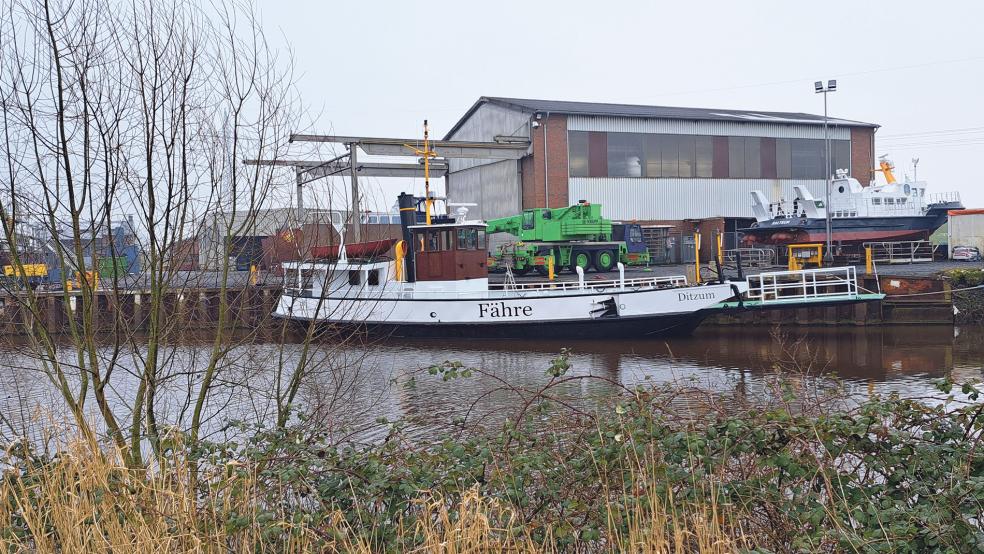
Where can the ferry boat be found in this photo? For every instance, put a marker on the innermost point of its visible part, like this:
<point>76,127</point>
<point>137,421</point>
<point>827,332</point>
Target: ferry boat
<point>438,286</point>
<point>891,211</point>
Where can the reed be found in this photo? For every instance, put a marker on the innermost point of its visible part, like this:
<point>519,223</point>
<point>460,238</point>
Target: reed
<point>86,500</point>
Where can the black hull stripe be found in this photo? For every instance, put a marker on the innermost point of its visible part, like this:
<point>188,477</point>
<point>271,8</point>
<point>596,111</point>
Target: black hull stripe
<point>602,328</point>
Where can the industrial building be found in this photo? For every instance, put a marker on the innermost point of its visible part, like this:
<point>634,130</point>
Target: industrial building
<point>672,169</point>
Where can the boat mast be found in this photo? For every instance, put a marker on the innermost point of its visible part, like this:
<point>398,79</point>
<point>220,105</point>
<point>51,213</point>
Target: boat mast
<point>427,153</point>
<point>427,185</point>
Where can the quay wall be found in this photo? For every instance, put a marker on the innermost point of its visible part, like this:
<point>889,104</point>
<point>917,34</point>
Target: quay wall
<point>183,309</point>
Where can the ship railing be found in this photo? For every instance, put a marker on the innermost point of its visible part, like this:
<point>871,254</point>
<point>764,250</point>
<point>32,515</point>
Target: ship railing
<point>902,252</point>
<point>774,287</point>
<point>640,282</point>
<point>941,197</point>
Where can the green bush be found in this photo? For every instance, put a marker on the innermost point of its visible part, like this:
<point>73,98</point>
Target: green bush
<point>963,278</point>
<point>888,475</point>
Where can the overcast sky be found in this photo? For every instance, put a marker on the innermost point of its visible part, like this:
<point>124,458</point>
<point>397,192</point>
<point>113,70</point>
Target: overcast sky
<point>915,68</point>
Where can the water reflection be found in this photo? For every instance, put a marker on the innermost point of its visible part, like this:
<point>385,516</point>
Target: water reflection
<point>354,385</point>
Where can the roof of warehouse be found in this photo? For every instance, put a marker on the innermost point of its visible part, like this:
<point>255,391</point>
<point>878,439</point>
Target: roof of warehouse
<point>654,112</point>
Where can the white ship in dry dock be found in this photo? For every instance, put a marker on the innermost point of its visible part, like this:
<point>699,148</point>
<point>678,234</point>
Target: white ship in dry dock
<point>438,286</point>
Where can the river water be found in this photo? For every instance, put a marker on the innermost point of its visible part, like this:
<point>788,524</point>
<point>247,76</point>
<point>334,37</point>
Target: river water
<point>352,386</point>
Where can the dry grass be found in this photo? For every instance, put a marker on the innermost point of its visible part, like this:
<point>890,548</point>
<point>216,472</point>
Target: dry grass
<point>86,500</point>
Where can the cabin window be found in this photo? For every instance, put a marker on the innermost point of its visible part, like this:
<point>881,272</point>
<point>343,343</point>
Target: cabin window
<point>481,240</point>
<point>373,278</point>
<point>307,279</point>
<point>354,277</point>
<point>468,239</point>
<point>876,201</point>
<point>433,242</point>
<point>902,200</point>
<point>528,221</point>
<point>290,279</point>
<point>889,200</point>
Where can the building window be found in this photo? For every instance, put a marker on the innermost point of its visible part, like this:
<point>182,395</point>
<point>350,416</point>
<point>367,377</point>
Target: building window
<point>753,157</point>
<point>840,151</point>
<point>806,158</point>
<point>597,154</point>
<point>720,169</point>
<point>354,277</point>
<point>784,163</point>
<point>651,155</point>
<point>577,143</point>
<point>669,147</point>
<point>704,157</point>
<point>768,158</point>
<point>688,155</point>
<point>736,157</point>
<point>625,154</point>
<point>373,278</point>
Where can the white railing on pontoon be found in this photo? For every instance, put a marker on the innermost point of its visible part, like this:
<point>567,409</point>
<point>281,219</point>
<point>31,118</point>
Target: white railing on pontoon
<point>751,257</point>
<point>805,284</point>
<point>902,252</point>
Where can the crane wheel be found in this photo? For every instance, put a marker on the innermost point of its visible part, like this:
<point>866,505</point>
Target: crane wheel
<point>580,258</point>
<point>604,260</point>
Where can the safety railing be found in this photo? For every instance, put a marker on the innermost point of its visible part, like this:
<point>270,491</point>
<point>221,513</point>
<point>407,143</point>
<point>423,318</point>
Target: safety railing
<point>751,257</point>
<point>902,252</point>
<point>801,285</point>
<point>940,197</point>
<point>668,281</point>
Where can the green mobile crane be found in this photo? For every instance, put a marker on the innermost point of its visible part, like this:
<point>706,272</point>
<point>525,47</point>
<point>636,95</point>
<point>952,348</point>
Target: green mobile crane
<point>573,236</point>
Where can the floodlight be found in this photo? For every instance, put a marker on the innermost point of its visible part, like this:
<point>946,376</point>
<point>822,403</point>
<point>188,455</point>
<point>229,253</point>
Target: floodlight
<point>832,85</point>
<point>818,86</point>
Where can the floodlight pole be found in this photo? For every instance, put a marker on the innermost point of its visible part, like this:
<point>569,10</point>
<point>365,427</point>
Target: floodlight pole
<point>831,87</point>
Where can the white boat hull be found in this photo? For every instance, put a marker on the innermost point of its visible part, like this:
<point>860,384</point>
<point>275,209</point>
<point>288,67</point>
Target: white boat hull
<point>594,312</point>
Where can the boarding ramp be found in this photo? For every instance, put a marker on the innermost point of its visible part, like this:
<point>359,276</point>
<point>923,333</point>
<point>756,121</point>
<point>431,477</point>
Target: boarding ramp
<point>902,252</point>
<point>750,257</point>
<point>805,286</point>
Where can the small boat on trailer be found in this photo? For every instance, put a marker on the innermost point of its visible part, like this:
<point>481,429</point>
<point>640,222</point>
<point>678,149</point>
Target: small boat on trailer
<point>437,286</point>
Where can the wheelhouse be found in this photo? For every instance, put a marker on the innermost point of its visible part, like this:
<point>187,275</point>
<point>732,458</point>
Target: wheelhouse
<point>452,252</point>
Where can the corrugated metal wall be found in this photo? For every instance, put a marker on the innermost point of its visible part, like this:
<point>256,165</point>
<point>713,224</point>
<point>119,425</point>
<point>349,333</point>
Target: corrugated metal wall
<point>494,187</point>
<point>492,184</point>
<point>674,199</point>
<point>488,121</point>
<point>718,128</point>
<point>966,230</point>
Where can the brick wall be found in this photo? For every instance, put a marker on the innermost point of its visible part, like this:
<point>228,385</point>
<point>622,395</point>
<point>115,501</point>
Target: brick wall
<point>862,148</point>
<point>536,187</point>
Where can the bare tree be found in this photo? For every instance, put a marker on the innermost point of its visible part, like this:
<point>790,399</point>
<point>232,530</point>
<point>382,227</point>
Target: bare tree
<point>144,108</point>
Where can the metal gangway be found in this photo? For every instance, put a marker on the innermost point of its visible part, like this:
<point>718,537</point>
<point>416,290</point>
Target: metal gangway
<point>902,252</point>
<point>750,257</point>
<point>803,286</point>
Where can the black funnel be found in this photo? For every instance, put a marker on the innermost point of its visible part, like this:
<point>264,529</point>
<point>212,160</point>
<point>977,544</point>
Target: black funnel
<point>408,217</point>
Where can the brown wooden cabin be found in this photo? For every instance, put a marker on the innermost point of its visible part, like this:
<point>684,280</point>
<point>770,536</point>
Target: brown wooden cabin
<point>450,252</point>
